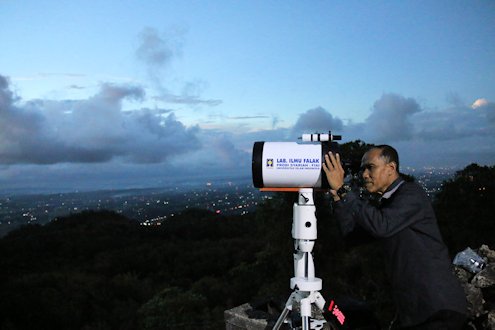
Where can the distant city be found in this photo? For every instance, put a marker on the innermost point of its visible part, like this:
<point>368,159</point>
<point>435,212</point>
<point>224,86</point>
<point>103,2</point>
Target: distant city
<point>153,206</point>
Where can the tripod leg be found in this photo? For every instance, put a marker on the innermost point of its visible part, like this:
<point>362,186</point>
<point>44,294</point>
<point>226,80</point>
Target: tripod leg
<point>319,301</point>
<point>305,313</point>
<point>285,312</point>
<point>281,319</point>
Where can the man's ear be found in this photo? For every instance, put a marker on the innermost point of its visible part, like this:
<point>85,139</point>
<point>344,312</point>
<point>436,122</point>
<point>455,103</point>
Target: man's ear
<point>393,167</point>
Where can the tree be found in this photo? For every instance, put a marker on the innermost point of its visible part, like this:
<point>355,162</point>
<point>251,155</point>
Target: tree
<point>465,207</point>
<point>174,308</point>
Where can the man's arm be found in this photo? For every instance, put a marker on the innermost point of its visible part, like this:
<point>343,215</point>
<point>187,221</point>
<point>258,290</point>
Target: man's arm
<point>405,209</point>
<point>342,211</point>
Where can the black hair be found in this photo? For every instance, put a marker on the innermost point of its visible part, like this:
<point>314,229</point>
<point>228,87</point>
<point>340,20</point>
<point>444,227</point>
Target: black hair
<point>389,154</point>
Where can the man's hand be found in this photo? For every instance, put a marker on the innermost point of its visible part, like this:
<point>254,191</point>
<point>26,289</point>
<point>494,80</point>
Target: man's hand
<point>334,172</point>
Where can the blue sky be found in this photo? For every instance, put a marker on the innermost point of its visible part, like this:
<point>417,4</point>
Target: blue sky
<point>109,94</point>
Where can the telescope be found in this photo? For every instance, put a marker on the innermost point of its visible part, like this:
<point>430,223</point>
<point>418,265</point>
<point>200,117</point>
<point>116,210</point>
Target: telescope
<point>291,166</point>
<point>278,165</point>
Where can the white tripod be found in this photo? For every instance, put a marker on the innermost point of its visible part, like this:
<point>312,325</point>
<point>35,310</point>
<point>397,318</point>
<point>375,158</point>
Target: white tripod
<point>304,283</point>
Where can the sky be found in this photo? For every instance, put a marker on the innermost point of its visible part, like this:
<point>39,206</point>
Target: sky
<point>120,94</point>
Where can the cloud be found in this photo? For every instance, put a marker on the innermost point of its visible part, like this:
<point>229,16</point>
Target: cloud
<point>157,52</point>
<point>249,117</point>
<point>390,118</point>
<point>486,108</point>
<point>316,120</point>
<point>88,131</point>
<point>18,129</point>
<point>226,153</point>
<point>457,134</point>
<point>456,122</point>
<point>185,98</point>
<point>453,136</point>
<point>479,103</point>
<point>449,124</point>
<point>96,140</point>
<point>73,86</point>
<point>6,95</point>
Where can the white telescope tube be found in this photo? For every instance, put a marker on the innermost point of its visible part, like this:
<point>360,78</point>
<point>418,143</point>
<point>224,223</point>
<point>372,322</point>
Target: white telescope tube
<point>287,164</point>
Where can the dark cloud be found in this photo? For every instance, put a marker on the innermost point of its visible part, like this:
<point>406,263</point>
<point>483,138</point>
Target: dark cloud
<point>486,109</point>
<point>390,119</point>
<point>6,95</point>
<point>316,120</point>
<point>95,140</point>
<point>458,135</point>
<point>227,155</point>
<point>88,131</point>
<point>454,136</point>
<point>449,124</point>
<point>19,129</point>
<point>456,122</point>
<point>157,139</point>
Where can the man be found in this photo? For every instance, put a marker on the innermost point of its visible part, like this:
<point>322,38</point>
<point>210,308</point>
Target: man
<point>427,294</point>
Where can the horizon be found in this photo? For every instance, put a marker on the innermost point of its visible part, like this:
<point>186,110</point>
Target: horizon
<point>152,205</point>
<point>152,93</point>
<point>179,184</point>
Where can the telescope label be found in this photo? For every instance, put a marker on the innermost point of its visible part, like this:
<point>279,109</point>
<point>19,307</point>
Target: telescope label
<point>294,163</point>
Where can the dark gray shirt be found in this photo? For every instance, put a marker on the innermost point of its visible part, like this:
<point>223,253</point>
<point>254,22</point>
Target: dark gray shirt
<point>415,255</point>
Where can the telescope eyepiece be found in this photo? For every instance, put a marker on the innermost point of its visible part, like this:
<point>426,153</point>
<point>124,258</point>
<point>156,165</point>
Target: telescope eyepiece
<point>320,137</point>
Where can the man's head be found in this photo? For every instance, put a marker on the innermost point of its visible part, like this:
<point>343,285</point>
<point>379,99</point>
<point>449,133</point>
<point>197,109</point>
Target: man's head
<point>380,167</point>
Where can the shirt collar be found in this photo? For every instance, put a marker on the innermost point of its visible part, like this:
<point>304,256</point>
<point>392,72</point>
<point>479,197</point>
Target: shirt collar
<point>393,188</point>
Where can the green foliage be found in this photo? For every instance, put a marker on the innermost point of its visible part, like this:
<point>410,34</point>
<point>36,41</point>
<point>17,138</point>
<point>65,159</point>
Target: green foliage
<point>465,207</point>
<point>174,308</point>
<point>354,151</point>
<point>99,270</point>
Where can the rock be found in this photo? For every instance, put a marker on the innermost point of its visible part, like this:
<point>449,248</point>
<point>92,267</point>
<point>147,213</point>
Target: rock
<point>463,275</point>
<point>490,322</point>
<point>475,300</point>
<point>238,318</point>
<point>480,291</point>
<point>485,252</point>
<point>485,278</point>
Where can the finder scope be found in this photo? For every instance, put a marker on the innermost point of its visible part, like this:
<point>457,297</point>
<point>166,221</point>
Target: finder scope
<point>293,164</point>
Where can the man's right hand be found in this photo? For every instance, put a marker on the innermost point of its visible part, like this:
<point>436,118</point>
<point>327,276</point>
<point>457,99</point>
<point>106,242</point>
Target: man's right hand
<point>334,172</point>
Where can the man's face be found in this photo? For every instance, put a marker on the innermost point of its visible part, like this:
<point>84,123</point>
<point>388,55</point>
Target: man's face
<point>378,175</point>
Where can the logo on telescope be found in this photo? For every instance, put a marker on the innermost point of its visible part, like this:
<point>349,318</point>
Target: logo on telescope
<point>269,162</point>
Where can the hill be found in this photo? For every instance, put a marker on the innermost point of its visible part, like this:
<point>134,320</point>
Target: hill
<point>101,270</point>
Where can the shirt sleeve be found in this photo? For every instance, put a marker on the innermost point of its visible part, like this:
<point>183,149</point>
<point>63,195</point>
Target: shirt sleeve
<point>404,208</point>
